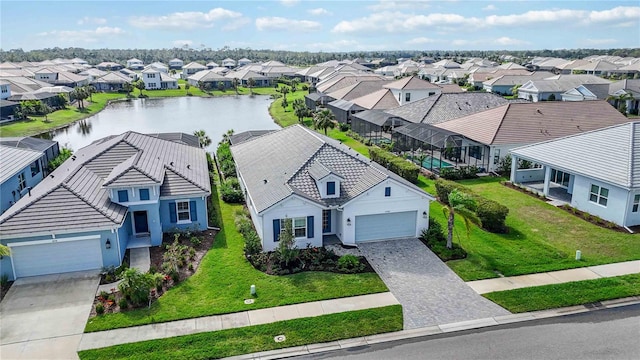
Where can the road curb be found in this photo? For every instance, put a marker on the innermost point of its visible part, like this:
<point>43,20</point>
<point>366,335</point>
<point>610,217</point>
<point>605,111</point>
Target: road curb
<point>434,330</point>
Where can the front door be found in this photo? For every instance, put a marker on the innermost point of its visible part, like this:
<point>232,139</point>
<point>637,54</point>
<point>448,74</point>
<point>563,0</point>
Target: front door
<point>140,221</point>
<point>326,221</point>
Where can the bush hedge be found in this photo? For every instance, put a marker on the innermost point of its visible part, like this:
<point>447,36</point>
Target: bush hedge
<point>396,164</point>
<point>491,213</point>
<point>467,172</point>
<point>231,192</point>
<point>225,159</point>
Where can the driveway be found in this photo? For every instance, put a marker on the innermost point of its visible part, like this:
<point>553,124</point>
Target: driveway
<point>430,292</point>
<point>43,317</point>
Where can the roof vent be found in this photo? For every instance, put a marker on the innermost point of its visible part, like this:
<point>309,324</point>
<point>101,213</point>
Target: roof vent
<point>51,176</point>
<point>171,163</point>
<point>265,181</point>
<point>73,158</point>
<point>188,166</point>
<point>539,111</point>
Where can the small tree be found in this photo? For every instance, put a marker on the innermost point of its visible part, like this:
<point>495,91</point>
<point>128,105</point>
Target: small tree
<point>203,138</point>
<point>287,251</point>
<point>251,83</point>
<point>294,84</point>
<point>4,250</point>
<point>323,119</point>
<point>221,86</point>
<point>226,137</point>
<point>187,87</point>
<point>552,97</point>
<point>235,84</point>
<point>64,154</point>
<point>136,286</point>
<point>128,87</point>
<point>140,86</point>
<point>284,90</point>
<point>461,204</point>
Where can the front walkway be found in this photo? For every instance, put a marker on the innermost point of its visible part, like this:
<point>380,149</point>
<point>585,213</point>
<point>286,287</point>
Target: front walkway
<point>429,291</point>
<point>555,277</point>
<point>235,320</point>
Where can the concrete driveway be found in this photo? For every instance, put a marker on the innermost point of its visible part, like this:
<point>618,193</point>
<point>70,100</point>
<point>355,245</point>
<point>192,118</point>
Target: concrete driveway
<point>430,292</point>
<point>43,317</point>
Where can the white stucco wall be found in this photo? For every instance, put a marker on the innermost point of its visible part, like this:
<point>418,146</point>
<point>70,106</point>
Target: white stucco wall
<point>415,94</point>
<point>374,202</point>
<point>292,207</point>
<point>616,203</point>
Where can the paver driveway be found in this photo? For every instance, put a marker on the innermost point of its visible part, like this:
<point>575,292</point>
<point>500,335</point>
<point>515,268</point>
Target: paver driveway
<point>43,317</point>
<point>430,292</point>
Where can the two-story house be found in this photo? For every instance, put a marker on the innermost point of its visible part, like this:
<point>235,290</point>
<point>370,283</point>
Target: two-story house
<point>155,79</point>
<point>412,88</point>
<point>176,64</point>
<point>119,192</point>
<point>135,64</point>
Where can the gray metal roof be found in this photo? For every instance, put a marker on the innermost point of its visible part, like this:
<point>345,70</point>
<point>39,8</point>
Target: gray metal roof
<point>344,105</point>
<point>79,185</point>
<point>14,160</point>
<point>442,107</point>
<point>27,142</point>
<point>610,154</point>
<point>247,135</point>
<point>278,165</point>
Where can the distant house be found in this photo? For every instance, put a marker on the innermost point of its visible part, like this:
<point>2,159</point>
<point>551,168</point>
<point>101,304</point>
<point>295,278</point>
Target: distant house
<point>23,166</point>
<point>155,79</point>
<point>5,89</point>
<point>176,64</point>
<point>158,66</point>
<point>504,84</point>
<point>113,81</point>
<point>229,63</point>
<point>243,62</point>
<point>412,88</point>
<point>568,171</point>
<point>63,78</point>
<point>109,66</point>
<point>209,79</point>
<point>135,64</point>
<point>212,64</point>
<point>629,91</point>
<point>587,92</point>
<point>191,68</point>
<point>540,90</point>
<point>326,189</point>
<point>119,192</point>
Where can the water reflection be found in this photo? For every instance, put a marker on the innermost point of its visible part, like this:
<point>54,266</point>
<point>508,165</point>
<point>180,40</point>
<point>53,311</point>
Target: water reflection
<point>185,114</point>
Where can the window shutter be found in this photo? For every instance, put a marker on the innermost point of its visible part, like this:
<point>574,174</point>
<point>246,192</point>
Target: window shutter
<point>276,230</point>
<point>387,191</point>
<point>173,217</point>
<point>193,208</point>
<point>309,227</point>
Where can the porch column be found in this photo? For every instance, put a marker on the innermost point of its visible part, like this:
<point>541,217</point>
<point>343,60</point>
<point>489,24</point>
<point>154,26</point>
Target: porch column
<point>514,168</point>
<point>547,179</point>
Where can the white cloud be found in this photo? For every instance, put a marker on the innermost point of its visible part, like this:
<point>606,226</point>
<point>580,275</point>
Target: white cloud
<point>319,12</point>
<point>507,41</point>
<point>420,41</point>
<point>236,24</point>
<point>619,13</point>
<point>184,20</point>
<point>389,5</point>
<point>289,2</point>
<point>181,43</point>
<point>460,42</point>
<point>531,17</point>
<point>283,24</point>
<point>489,7</point>
<point>92,21</point>
<point>82,36</point>
<point>393,22</point>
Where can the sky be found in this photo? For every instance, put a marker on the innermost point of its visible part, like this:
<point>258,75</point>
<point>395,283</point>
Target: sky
<point>328,26</point>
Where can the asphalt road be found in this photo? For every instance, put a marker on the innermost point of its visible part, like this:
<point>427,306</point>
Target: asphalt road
<point>599,335</point>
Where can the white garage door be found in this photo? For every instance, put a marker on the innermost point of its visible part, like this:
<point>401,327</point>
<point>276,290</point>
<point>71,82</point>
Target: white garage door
<point>58,257</point>
<point>386,226</point>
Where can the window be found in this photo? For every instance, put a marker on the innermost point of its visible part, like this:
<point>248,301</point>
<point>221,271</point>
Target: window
<point>560,177</point>
<point>123,195</point>
<point>387,191</point>
<point>144,194</point>
<point>152,85</point>
<point>407,97</point>
<point>496,157</point>
<point>331,188</point>
<point>475,152</point>
<point>183,211</point>
<point>35,168</point>
<point>22,182</point>
<point>431,93</point>
<point>298,226</point>
<point>599,195</point>
<point>636,203</point>
<point>151,76</point>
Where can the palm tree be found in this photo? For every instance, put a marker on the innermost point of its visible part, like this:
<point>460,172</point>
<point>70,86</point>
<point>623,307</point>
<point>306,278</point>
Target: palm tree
<point>80,93</point>
<point>187,87</point>
<point>514,90</point>
<point>284,90</point>
<point>203,138</point>
<point>235,83</point>
<point>461,204</point>
<point>323,119</point>
<point>294,84</point>
<point>251,83</point>
<point>226,137</point>
<point>140,86</point>
<point>620,101</point>
<point>128,88</point>
<point>4,250</point>
<point>90,89</point>
<point>300,109</point>
<point>221,86</point>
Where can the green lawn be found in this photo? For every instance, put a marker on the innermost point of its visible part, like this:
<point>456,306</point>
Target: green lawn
<point>213,345</point>
<point>567,294</point>
<point>222,282</point>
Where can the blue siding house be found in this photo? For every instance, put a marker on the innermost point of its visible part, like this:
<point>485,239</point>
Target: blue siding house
<point>117,193</point>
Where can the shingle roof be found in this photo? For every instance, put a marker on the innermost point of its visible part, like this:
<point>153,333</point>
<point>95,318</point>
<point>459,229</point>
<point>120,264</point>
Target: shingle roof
<point>442,107</point>
<point>15,160</point>
<point>526,123</point>
<point>279,164</point>
<point>79,184</point>
<point>609,154</point>
<point>411,83</point>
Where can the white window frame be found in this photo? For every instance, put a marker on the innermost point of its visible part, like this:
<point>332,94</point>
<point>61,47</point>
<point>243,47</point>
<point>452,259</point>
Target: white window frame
<point>293,226</point>
<point>597,196</point>
<point>636,203</point>
<point>182,211</point>
<point>22,181</point>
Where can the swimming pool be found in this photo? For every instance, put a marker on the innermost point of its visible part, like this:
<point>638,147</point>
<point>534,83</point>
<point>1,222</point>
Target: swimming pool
<point>429,163</point>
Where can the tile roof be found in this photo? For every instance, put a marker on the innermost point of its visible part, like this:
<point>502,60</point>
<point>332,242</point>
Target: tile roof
<point>411,83</point>
<point>358,89</point>
<point>79,185</point>
<point>271,177</point>
<point>207,76</point>
<point>526,123</point>
<point>442,107</point>
<point>610,154</point>
<point>562,83</point>
<point>27,142</point>
<point>14,160</point>
<point>247,135</point>
<point>381,99</point>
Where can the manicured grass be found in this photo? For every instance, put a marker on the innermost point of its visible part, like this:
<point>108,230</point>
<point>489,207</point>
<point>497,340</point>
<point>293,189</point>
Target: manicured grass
<point>36,124</point>
<point>222,282</point>
<point>213,345</point>
<point>286,117</point>
<point>567,294</point>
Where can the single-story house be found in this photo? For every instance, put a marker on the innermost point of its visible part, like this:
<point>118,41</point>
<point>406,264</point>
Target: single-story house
<point>109,66</point>
<point>244,75</point>
<point>176,63</point>
<point>135,64</point>
<point>326,189</point>
<point>596,171</point>
<point>119,192</point>
<point>539,90</point>
<point>229,63</point>
<point>50,148</point>
<point>587,92</point>
<point>191,68</point>
<point>113,81</point>
<point>209,79</point>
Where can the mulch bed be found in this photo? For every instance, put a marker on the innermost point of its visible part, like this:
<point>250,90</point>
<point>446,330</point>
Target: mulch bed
<point>4,289</point>
<point>156,252</point>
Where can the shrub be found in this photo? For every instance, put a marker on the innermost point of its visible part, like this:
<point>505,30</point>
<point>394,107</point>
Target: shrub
<point>135,286</point>
<point>467,172</point>
<point>435,239</point>
<point>252,243</point>
<point>225,159</point>
<point>64,154</point>
<point>344,127</point>
<point>175,257</point>
<point>4,280</point>
<point>398,165</point>
<point>433,234</point>
<point>231,192</point>
<point>123,304</point>
<point>350,264</point>
<point>99,309</point>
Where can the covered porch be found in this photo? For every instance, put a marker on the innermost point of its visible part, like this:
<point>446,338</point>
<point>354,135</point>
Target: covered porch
<point>554,184</point>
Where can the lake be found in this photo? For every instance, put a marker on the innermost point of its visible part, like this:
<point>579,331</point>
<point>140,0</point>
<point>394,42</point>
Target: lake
<point>181,114</point>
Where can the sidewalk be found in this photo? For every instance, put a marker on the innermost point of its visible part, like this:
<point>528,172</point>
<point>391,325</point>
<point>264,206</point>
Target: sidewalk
<point>555,277</point>
<point>229,321</point>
